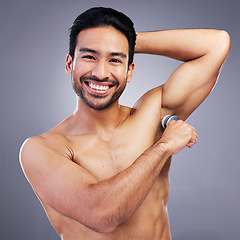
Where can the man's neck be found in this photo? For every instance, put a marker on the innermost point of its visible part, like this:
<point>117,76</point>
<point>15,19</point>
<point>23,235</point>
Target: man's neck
<point>100,122</point>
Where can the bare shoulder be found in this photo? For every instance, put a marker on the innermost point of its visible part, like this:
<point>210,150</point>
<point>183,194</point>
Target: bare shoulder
<point>148,104</point>
<point>150,97</point>
<point>30,146</point>
<point>149,107</point>
<point>145,117</point>
<point>35,150</point>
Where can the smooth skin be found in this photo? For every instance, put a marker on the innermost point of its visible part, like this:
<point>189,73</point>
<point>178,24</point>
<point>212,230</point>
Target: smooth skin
<point>104,174</point>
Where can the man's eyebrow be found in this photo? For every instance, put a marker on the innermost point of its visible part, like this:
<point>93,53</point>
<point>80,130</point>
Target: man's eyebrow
<point>88,50</point>
<point>120,54</point>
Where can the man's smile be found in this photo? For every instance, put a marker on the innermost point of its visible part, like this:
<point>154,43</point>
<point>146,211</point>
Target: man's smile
<point>98,87</point>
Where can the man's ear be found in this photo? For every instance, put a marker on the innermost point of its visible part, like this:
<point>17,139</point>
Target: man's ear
<point>69,64</point>
<point>130,72</point>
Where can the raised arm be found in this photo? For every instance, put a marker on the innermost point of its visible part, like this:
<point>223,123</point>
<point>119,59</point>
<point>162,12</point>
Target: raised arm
<point>100,205</point>
<point>203,52</point>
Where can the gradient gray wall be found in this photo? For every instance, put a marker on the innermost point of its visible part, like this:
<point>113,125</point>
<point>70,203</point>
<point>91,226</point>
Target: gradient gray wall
<point>36,95</point>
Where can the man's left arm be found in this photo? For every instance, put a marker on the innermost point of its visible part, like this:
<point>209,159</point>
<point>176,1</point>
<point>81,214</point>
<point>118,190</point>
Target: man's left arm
<point>203,52</point>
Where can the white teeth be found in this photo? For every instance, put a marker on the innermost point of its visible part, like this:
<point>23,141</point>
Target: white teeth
<point>97,87</point>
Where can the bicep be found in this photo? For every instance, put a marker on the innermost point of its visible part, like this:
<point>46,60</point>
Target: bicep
<point>58,181</point>
<point>190,84</point>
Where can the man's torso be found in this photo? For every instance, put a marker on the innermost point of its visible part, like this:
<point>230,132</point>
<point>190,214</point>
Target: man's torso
<point>104,157</point>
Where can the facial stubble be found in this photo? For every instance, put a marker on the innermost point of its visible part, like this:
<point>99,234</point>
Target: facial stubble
<point>95,104</point>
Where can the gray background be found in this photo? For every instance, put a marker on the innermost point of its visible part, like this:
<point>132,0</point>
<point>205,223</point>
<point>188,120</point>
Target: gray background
<point>36,94</point>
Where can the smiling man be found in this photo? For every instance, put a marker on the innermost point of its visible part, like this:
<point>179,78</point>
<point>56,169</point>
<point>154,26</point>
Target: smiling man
<point>94,83</point>
<point>103,173</point>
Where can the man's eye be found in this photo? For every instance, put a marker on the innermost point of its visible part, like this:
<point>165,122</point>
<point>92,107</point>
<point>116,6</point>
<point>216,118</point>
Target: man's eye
<point>115,60</point>
<point>88,57</point>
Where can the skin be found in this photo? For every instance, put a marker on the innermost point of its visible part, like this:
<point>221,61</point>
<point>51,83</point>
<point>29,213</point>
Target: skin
<point>104,174</point>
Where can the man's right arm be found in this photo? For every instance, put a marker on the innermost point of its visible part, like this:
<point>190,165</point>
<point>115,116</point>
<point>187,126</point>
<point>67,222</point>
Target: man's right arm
<point>100,205</point>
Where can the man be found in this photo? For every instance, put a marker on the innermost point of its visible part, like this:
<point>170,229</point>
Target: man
<point>103,173</point>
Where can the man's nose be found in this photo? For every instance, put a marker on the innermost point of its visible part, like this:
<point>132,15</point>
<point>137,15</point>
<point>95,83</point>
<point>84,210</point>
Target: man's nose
<point>101,70</point>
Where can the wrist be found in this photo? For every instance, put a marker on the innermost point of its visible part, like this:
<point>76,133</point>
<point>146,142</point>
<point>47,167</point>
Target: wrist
<point>163,148</point>
<point>139,42</point>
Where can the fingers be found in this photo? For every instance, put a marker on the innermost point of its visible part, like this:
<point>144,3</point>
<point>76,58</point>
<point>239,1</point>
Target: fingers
<point>179,134</point>
<point>192,142</point>
<point>194,137</point>
<point>189,132</point>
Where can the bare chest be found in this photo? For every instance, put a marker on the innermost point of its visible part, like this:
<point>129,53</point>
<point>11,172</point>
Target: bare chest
<point>104,159</point>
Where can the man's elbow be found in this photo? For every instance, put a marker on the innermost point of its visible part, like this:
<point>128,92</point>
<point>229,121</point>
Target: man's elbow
<point>104,225</point>
<point>223,43</point>
<point>100,220</point>
<point>105,228</point>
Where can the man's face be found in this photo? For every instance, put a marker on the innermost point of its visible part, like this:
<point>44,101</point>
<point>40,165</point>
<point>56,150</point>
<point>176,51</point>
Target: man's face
<point>100,67</point>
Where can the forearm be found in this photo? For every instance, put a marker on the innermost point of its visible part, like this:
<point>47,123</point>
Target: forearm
<point>182,44</point>
<point>119,197</point>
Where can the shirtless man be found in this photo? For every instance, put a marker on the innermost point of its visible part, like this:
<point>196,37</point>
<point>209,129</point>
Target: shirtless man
<point>103,173</point>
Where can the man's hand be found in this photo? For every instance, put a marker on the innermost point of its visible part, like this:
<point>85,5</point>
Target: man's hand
<point>178,135</point>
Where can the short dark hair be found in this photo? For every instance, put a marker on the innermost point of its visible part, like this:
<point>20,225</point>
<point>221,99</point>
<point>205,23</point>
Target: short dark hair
<point>100,17</point>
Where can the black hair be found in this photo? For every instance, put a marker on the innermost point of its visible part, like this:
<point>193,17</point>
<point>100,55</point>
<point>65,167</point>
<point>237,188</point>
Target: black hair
<point>100,17</point>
